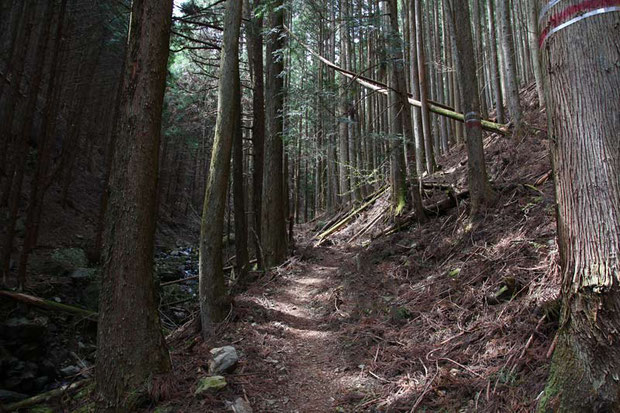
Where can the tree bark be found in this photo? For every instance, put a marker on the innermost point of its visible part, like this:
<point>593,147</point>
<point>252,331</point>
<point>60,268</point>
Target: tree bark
<point>130,344</point>
<point>274,196</point>
<point>213,295</point>
<point>255,52</point>
<point>583,102</point>
<point>479,187</point>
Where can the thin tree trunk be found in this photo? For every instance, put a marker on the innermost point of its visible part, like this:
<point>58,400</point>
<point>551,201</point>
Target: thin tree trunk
<point>479,187</point>
<point>494,67</point>
<point>510,70</point>
<point>426,122</point>
<point>241,229</point>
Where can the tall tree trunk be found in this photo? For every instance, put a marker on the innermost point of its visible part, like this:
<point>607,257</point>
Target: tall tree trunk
<point>130,344</point>
<point>213,296</point>
<point>479,187</point>
<point>22,141</point>
<point>344,118</point>
<point>494,66</point>
<point>510,69</point>
<point>274,218</point>
<point>255,52</point>
<point>402,115</point>
<point>533,34</point>
<point>241,229</point>
<point>426,121</point>
<point>583,103</point>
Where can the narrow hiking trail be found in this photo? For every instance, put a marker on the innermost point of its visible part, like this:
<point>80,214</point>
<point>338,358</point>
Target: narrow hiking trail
<point>302,365</point>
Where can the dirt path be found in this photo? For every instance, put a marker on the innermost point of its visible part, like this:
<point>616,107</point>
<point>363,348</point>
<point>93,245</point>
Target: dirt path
<point>298,362</point>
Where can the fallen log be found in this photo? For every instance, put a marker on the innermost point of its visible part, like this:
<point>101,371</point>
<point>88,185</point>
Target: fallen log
<point>379,87</point>
<point>43,397</point>
<point>49,305</point>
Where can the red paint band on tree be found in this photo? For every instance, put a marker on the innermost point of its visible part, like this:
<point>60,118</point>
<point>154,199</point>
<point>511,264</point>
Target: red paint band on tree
<point>574,14</point>
<point>472,120</point>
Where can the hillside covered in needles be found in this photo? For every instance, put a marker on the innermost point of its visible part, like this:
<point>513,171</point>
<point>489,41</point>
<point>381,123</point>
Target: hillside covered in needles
<point>309,206</point>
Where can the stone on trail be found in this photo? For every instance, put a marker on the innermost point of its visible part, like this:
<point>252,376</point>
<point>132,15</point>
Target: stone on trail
<point>212,383</point>
<point>240,405</point>
<point>224,359</point>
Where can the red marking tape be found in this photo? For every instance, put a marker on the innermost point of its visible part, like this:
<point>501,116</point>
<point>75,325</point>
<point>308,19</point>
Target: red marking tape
<point>472,120</point>
<point>573,14</point>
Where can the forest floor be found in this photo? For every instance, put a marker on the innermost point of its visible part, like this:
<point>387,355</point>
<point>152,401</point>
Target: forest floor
<point>450,315</point>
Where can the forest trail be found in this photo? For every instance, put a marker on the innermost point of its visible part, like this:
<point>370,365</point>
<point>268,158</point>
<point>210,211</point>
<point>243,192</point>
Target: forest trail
<point>302,364</point>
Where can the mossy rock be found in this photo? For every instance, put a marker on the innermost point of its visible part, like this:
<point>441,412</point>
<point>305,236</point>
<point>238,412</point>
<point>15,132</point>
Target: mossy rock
<point>61,261</point>
<point>210,384</point>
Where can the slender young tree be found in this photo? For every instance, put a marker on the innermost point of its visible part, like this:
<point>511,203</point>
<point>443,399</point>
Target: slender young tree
<point>402,120</point>
<point>213,295</point>
<point>583,107</point>
<point>508,55</point>
<point>130,344</point>
<point>479,187</point>
<point>426,121</point>
<point>274,196</point>
<point>241,230</point>
<point>494,63</point>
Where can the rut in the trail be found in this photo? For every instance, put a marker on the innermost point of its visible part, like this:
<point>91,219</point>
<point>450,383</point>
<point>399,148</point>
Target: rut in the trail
<point>299,338</point>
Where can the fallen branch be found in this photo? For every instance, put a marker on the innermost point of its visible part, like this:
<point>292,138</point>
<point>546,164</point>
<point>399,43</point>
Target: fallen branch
<point>383,89</point>
<point>349,217</point>
<point>43,397</point>
<point>49,305</point>
<point>367,227</point>
<point>436,209</point>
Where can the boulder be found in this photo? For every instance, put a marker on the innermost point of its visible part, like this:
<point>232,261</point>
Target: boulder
<point>69,259</point>
<point>83,274</point>
<point>70,371</point>
<point>223,359</point>
<point>210,384</point>
<point>7,396</point>
<point>24,329</point>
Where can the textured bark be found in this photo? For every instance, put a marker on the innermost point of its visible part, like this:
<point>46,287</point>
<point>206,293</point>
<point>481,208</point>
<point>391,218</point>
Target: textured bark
<point>583,105</point>
<point>510,69</point>
<point>479,187</point>
<point>130,344</point>
<point>274,196</point>
<point>213,295</point>
<point>255,52</point>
